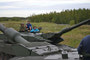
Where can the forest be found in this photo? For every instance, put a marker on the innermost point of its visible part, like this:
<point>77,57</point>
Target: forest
<point>64,17</point>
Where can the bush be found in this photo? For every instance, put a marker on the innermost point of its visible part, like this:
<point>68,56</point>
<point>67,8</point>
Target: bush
<point>72,22</point>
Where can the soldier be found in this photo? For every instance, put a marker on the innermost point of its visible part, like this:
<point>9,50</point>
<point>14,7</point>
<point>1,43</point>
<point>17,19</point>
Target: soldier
<point>84,48</point>
<point>22,28</point>
<point>28,26</point>
<point>34,30</point>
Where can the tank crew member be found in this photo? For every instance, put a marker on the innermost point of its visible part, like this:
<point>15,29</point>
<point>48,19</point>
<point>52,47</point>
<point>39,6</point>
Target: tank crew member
<point>28,26</point>
<point>84,48</point>
<point>22,28</point>
<point>34,30</point>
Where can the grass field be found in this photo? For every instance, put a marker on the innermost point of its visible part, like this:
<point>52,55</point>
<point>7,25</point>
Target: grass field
<point>71,38</point>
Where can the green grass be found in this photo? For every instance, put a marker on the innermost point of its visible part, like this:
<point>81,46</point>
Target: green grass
<point>71,38</point>
<point>74,37</point>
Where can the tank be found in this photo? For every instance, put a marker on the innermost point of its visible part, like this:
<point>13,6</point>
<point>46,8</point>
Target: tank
<point>36,46</point>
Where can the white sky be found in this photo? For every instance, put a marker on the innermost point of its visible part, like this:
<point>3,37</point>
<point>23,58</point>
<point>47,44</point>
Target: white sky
<point>24,8</point>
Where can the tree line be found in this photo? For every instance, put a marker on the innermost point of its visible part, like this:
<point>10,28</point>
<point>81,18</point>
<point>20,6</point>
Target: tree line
<point>63,17</point>
<point>12,18</point>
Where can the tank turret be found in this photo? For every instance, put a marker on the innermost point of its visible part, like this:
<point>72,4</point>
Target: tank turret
<point>18,46</point>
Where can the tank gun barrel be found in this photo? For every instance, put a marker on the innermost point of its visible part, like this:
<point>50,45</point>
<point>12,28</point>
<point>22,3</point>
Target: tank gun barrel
<point>73,27</point>
<point>13,34</point>
<point>56,37</point>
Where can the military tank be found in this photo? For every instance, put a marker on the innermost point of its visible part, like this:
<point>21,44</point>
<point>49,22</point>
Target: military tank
<point>35,46</point>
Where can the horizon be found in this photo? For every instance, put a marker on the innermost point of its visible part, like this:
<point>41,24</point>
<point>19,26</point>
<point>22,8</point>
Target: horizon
<point>41,13</point>
<point>25,8</point>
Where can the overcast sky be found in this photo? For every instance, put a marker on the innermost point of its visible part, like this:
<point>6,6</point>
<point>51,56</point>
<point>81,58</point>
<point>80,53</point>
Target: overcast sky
<point>24,8</point>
